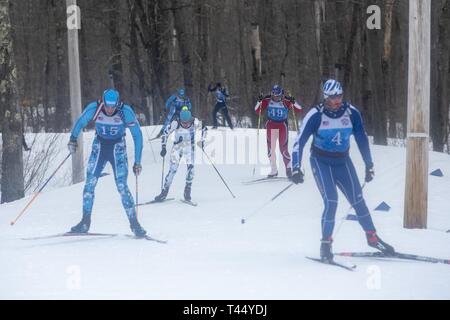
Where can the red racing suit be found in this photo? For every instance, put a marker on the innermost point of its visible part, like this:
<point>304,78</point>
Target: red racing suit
<point>277,113</point>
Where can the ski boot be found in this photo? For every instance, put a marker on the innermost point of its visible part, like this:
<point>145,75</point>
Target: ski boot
<point>325,250</point>
<point>162,196</point>
<point>289,173</point>
<point>272,175</point>
<point>187,192</point>
<point>83,226</point>
<point>374,241</point>
<point>138,231</point>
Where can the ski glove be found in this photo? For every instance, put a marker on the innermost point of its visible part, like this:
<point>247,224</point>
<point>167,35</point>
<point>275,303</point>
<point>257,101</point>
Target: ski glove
<point>291,99</point>
<point>72,146</point>
<point>297,176</point>
<point>137,169</point>
<point>163,151</point>
<point>260,97</point>
<point>369,173</point>
<point>180,140</point>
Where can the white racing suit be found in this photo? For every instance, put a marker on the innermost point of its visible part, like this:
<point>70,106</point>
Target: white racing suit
<point>184,146</point>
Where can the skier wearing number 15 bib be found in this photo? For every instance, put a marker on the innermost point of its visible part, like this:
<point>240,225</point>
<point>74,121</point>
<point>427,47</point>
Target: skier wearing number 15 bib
<point>277,108</point>
<point>331,124</point>
<point>111,117</point>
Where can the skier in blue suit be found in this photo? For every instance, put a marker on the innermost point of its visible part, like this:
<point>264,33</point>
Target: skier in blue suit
<point>111,117</point>
<point>331,124</point>
<point>174,105</point>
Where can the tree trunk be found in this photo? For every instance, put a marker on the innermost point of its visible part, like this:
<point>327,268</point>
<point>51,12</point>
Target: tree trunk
<point>181,17</point>
<point>377,101</point>
<point>135,63</point>
<point>116,46</point>
<point>62,115</point>
<point>439,74</point>
<point>12,159</point>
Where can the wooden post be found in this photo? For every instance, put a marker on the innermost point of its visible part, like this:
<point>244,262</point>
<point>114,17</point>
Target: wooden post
<point>73,25</point>
<point>416,189</point>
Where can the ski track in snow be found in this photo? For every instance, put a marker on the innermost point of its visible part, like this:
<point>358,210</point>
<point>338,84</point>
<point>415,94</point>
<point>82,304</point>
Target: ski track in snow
<point>210,254</point>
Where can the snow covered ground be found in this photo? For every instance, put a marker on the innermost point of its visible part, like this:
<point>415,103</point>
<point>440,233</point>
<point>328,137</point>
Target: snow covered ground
<point>210,254</point>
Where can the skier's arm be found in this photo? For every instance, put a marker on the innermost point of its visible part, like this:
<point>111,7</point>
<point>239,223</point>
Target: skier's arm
<point>132,124</point>
<point>310,125</point>
<point>167,132</point>
<point>83,120</point>
<point>169,116</point>
<point>189,104</point>
<point>261,106</point>
<point>211,87</point>
<point>169,102</point>
<point>297,107</point>
<point>361,137</point>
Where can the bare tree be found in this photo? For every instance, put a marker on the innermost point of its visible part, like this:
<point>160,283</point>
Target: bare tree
<point>12,160</point>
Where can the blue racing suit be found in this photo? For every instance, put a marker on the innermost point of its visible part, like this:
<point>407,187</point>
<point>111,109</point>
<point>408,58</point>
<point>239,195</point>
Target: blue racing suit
<point>109,146</point>
<point>330,160</point>
<point>174,105</point>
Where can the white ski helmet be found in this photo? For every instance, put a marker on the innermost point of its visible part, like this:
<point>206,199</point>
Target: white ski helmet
<point>332,88</point>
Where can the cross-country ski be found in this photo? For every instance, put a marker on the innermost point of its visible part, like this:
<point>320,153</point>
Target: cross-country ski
<point>155,202</point>
<point>72,234</point>
<point>334,263</point>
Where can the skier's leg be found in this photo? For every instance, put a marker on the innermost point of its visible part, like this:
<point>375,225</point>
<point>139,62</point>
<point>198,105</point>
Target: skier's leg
<point>284,141</point>
<point>175,157</point>
<point>214,115</point>
<point>119,163</point>
<point>272,136</point>
<point>227,116</point>
<point>190,158</point>
<point>120,168</point>
<point>96,164</point>
<point>348,182</point>
<point>323,175</point>
<point>189,179</point>
<point>174,163</point>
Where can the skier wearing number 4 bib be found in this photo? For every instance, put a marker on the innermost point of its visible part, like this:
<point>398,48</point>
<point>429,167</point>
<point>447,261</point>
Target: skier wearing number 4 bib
<point>111,118</point>
<point>331,124</point>
<point>277,109</point>
<point>184,146</point>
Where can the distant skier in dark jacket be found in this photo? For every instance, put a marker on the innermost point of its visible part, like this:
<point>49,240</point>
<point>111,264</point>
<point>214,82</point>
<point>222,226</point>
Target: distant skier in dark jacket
<point>331,124</point>
<point>221,94</point>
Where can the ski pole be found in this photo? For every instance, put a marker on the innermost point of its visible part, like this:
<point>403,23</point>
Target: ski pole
<point>151,147</point>
<point>345,217</point>
<point>137,198</point>
<point>223,180</point>
<point>295,120</point>
<point>267,203</point>
<point>162,174</point>
<point>257,142</point>
<point>40,190</point>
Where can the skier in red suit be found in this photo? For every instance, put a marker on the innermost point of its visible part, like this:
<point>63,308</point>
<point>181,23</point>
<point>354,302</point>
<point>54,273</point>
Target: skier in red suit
<point>277,107</point>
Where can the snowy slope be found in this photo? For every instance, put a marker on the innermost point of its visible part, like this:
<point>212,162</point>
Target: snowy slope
<point>210,254</point>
